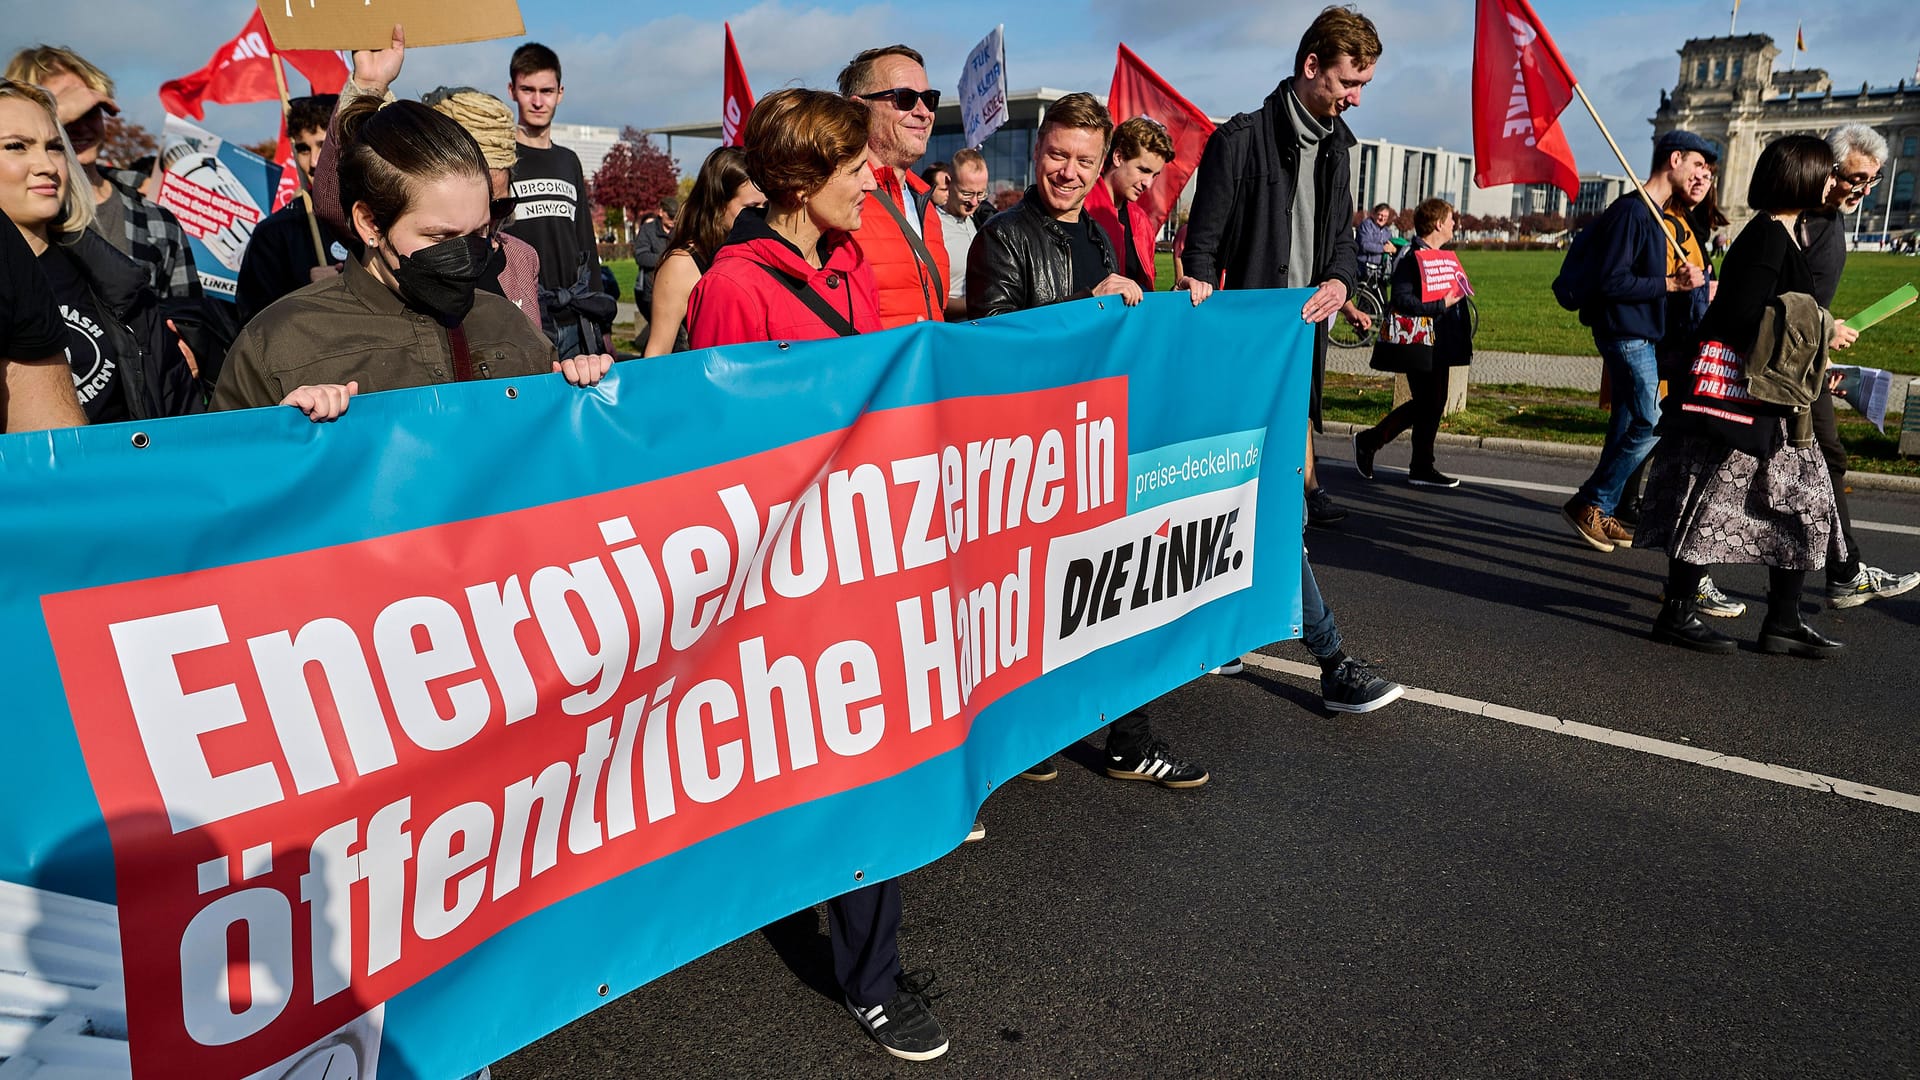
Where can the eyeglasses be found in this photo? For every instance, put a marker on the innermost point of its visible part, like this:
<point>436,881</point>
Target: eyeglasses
<point>903,97</point>
<point>1858,180</point>
<point>965,194</point>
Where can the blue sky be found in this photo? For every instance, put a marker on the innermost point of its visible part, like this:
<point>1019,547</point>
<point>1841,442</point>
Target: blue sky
<point>659,63</point>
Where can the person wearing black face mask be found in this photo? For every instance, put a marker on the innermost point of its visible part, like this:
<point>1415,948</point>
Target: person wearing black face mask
<point>409,309</point>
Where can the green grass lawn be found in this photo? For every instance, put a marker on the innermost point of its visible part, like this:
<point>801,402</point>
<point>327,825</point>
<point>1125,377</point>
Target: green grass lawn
<point>624,271</point>
<point>1518,313</point>
<point>1570,416</point>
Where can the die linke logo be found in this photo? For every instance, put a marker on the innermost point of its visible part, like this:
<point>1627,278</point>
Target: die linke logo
<point>1146,570</point>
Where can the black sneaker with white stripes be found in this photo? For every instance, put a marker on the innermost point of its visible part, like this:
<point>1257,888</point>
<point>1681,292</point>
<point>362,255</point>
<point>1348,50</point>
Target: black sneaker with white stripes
<point>904,1025</point>
<point>1157,766</point>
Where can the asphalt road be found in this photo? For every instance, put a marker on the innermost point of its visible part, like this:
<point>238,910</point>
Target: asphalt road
<point>1424,891</point>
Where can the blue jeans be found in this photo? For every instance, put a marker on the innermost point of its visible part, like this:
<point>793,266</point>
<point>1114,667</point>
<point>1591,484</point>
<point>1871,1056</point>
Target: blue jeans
<point>1317,630</point>
<point>1635,375</point>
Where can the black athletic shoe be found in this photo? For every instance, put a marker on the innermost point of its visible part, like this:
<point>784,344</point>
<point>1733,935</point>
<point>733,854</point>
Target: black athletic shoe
<point>1322,510</point>
<point>1352,687</point>
<point>1431,478</point>
<point>1157,766</point>
<point>904,1025</point>
<point>1362,455</point>
<point>1040,773</point>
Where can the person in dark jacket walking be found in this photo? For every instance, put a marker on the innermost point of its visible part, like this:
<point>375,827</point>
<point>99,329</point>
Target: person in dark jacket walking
<point>791,272</point>
<point>1256,225</point>
<point>650,243</point>
<point>1730,482</point>
<point>1628,314</point>
<point>1860,154</point>
<point>1048,250</point>
<point>128,361</point>
<point>1423,340</point>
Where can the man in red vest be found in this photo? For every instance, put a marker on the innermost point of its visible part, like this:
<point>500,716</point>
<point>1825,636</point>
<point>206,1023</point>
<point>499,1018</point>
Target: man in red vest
<point>1141,149</point>
<point>900,225</point>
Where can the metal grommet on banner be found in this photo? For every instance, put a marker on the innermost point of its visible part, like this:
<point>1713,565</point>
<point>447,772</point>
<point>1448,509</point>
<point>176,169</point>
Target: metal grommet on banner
<point>603,989</point>
<point>513,391</point>
<point>1296,629</point>
<point>783,346</point>
<point>859,875</point>
<point>1102,304</point>
<point>140,440</point>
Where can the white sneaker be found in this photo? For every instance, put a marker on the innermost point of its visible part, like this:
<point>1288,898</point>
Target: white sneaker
<point>1871,583</point>
<point>1231,667</point>
<point>1712,601</point>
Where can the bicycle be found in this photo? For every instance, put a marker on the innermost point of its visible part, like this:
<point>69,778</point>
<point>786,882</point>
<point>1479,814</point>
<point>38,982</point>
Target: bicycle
<point>1371,300</point>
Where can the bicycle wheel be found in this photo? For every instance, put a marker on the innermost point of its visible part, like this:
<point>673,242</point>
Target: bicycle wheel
<point>1348,336</point>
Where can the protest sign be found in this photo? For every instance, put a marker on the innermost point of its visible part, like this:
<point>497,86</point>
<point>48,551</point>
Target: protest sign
<point>219,192</point>
<point>1441,275</point>
<point>368,24</point>
<point>492,701</point>
<point>983,88</point>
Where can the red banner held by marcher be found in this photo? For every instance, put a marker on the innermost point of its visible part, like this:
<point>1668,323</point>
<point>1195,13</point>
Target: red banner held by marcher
<point>738,100</point>
<point>1521,84</point>
<point>242,71</point>
<point>1138,90</point>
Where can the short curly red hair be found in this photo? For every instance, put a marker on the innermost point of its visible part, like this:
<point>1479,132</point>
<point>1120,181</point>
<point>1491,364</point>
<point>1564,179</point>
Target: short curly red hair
<point>797,139</point>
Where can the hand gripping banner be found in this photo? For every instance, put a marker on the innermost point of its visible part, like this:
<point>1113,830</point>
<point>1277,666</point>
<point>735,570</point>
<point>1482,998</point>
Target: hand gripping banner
<point>403,735</point>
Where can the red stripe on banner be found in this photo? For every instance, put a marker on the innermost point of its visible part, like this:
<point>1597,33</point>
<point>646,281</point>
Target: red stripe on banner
<point>329,774</point>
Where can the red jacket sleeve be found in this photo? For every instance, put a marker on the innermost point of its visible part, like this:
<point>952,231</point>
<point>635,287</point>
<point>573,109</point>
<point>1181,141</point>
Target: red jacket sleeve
<point>723,311</point>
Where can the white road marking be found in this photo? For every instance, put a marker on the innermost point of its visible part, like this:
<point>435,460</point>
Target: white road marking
<point>1712,759</point>
<point>1560,489</point>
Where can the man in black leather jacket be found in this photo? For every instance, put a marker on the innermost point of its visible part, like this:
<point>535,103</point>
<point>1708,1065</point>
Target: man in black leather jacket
<point>1044,250</point>
<point>1047,250</point>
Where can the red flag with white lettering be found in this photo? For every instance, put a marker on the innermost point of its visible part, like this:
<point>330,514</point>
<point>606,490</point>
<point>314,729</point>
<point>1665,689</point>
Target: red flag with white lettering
<point>738,102</point>
<point>1138,90</point>
<point>242,71</point>
<point>1521,84</point>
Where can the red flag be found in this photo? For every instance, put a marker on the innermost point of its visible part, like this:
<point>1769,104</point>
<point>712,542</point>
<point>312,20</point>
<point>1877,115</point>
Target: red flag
<point>289,185</point>
<point>1138,90</point>
<point>1521,84</point>
<point>738,100</point>
<point>242,71</point>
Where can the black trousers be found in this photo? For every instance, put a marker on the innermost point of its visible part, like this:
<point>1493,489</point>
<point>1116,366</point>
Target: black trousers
<point>1826,431</point>
<point>1130,735</point>
<point>864,927</point>
<point>1426,403</point>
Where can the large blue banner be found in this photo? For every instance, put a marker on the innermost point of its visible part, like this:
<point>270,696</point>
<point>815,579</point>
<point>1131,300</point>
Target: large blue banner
<point>415,736</point>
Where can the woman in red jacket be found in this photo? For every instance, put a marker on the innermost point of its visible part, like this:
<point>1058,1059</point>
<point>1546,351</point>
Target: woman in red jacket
<point>791,272</point>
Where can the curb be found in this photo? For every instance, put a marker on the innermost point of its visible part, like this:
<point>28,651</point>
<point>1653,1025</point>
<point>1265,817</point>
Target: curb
<point>1859,481</point>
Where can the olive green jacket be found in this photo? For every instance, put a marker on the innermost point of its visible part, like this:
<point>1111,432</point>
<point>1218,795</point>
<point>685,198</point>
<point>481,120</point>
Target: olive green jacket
<point>353,328</point>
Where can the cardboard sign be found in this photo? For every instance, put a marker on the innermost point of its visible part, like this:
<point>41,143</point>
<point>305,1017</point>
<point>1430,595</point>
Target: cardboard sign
<point>368,24</point>
<point>1440,275</point>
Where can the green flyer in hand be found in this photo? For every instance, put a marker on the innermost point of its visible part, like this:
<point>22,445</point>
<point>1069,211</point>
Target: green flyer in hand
<point>1896,301</point>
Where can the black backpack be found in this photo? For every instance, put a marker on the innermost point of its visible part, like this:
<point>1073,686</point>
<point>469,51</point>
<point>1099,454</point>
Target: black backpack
<point>1579,280</point>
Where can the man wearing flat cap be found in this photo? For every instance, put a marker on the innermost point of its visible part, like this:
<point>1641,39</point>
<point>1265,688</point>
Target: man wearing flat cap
<point>1626,306</point>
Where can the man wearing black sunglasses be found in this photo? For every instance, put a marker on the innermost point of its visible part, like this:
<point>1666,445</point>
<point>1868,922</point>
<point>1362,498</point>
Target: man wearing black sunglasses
<point>900,232</point>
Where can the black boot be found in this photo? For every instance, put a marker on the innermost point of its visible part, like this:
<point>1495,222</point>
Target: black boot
<point>1679,624</point>
<point>1797,640</point>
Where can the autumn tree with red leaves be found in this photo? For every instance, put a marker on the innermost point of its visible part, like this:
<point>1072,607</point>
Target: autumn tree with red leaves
<point>126,142</point>
<point>635,176</point>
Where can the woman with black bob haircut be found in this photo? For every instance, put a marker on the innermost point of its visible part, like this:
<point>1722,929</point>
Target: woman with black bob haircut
<point>719,193</point>
<point>405,312</point>
<point>1737,477</point>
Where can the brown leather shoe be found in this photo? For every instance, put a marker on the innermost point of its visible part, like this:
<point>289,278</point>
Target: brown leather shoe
<point>1616,532</point>
<point>1587,521</point>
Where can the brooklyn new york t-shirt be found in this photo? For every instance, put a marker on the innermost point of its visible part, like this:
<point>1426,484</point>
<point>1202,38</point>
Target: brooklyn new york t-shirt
<point>99,375</point>
<point>552,212</point>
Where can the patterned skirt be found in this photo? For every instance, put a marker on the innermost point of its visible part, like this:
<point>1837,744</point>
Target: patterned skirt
<point>1709,504</point>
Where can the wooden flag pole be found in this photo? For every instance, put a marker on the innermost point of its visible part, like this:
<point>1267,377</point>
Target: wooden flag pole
<point>1632,174</point>
<point>320,260</point>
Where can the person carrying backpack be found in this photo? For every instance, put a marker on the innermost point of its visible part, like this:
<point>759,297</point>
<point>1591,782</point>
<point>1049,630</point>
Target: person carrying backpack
<point>1616,276</point>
